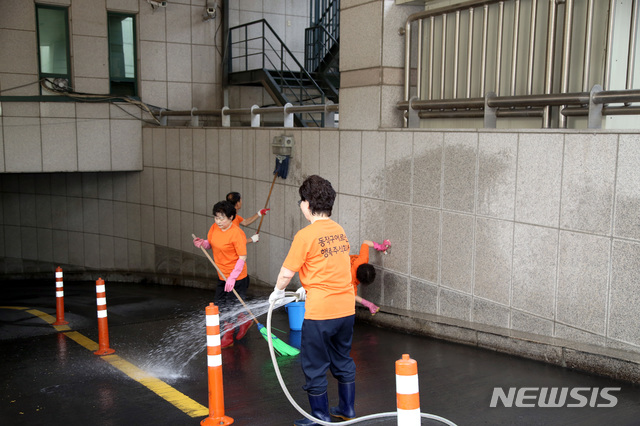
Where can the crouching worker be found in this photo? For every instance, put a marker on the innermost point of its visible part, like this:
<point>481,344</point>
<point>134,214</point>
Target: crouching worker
<point>364,273</point>
<point>319,253</point>
<point>229,245</point>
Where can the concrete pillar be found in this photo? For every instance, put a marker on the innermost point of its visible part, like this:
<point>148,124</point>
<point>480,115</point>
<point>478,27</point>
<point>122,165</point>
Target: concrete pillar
<point>371,63</point>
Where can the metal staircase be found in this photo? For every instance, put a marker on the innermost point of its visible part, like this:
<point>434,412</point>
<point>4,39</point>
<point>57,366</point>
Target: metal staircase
<point>322,46</point>
<point>257,56</point>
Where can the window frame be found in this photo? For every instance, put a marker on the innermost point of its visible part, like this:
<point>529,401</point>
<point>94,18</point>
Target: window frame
<point>134,80</point>
<point>41,74</point>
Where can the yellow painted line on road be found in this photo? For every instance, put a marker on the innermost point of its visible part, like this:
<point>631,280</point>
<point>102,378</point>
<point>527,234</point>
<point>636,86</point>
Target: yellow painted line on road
<point>48,319</point>
<point>175,397</point>
<point>160,388</point>
<point>42,315</point>
<point>82,340</point>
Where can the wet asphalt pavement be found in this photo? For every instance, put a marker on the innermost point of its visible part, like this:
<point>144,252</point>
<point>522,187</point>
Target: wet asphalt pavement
<point>48,377</point>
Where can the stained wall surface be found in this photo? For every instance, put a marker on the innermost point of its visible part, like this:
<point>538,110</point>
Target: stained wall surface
<point>535,232</point>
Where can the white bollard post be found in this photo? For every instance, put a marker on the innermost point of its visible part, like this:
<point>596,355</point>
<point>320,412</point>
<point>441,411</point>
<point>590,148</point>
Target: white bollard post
<point>407,393</point>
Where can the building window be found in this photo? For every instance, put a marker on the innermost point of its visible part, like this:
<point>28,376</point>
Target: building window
<point>53,45</point>
<point>122,55</point>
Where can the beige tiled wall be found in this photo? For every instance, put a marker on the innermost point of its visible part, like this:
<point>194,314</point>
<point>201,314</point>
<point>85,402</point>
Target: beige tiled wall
<point>22,144</point>
<point>371,62</point>
<point>540,174</point>
<point>483,224</point>
<point>497,162</point>
<point>588,158</point>
<point>627,197</point>
<point>179,54</point>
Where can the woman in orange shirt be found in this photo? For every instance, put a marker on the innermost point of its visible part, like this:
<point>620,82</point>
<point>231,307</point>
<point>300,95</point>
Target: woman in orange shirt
<point>364,273</point>
<point>319,254</point>
<point>235,199</point>
<point>229,246</point>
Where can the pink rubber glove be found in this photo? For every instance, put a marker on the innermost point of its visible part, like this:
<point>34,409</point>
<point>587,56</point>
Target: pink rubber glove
<point>199,242</point>
<point>231,280</point>
<point>262,211</point>
<point>382,247</point>
<point>372,308</point>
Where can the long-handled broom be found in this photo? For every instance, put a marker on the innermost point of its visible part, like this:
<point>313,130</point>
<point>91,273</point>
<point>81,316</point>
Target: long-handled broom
<point>280,347</point>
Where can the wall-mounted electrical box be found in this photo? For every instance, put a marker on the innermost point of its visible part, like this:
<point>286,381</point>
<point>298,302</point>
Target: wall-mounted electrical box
<point>282,145</point>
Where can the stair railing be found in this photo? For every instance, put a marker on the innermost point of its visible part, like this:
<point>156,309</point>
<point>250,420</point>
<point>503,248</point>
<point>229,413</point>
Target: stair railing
<point>326,13</point>
<point>255,45</point>
<point>318,48</point>
<point>323,32</point>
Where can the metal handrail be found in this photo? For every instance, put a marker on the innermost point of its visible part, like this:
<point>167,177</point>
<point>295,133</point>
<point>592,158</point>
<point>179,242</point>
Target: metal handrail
<point>226,112</point>
<point>594,104</point>
<point>578,98</point>
<point>189,113</point>
<point>331,107</point>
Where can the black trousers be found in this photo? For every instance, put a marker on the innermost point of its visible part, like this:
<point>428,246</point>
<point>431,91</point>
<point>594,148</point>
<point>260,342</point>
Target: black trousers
<point>222,297</point>
<point>326,345</point>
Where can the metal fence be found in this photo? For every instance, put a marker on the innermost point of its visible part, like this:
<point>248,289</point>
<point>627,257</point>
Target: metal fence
<point>551,59</point>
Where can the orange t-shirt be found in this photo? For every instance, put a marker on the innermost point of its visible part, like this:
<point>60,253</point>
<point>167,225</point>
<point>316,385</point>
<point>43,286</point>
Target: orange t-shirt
<point>237,220</point>
<point>320,254</point>
<point>227,247</point>
<point>357,260</point>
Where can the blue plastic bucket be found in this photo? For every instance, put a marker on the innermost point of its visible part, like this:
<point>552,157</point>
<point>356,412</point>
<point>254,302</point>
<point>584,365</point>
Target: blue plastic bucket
<point>296,314</point>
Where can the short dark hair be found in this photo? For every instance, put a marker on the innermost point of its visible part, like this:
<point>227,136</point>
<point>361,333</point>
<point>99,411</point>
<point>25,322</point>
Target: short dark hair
<point>366,273</point>
<point>226,208</point>
<point>233,197</point>
<point>319,193</point>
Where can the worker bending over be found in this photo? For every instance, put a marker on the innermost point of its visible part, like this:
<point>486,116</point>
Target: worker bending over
<point>363,272</point>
